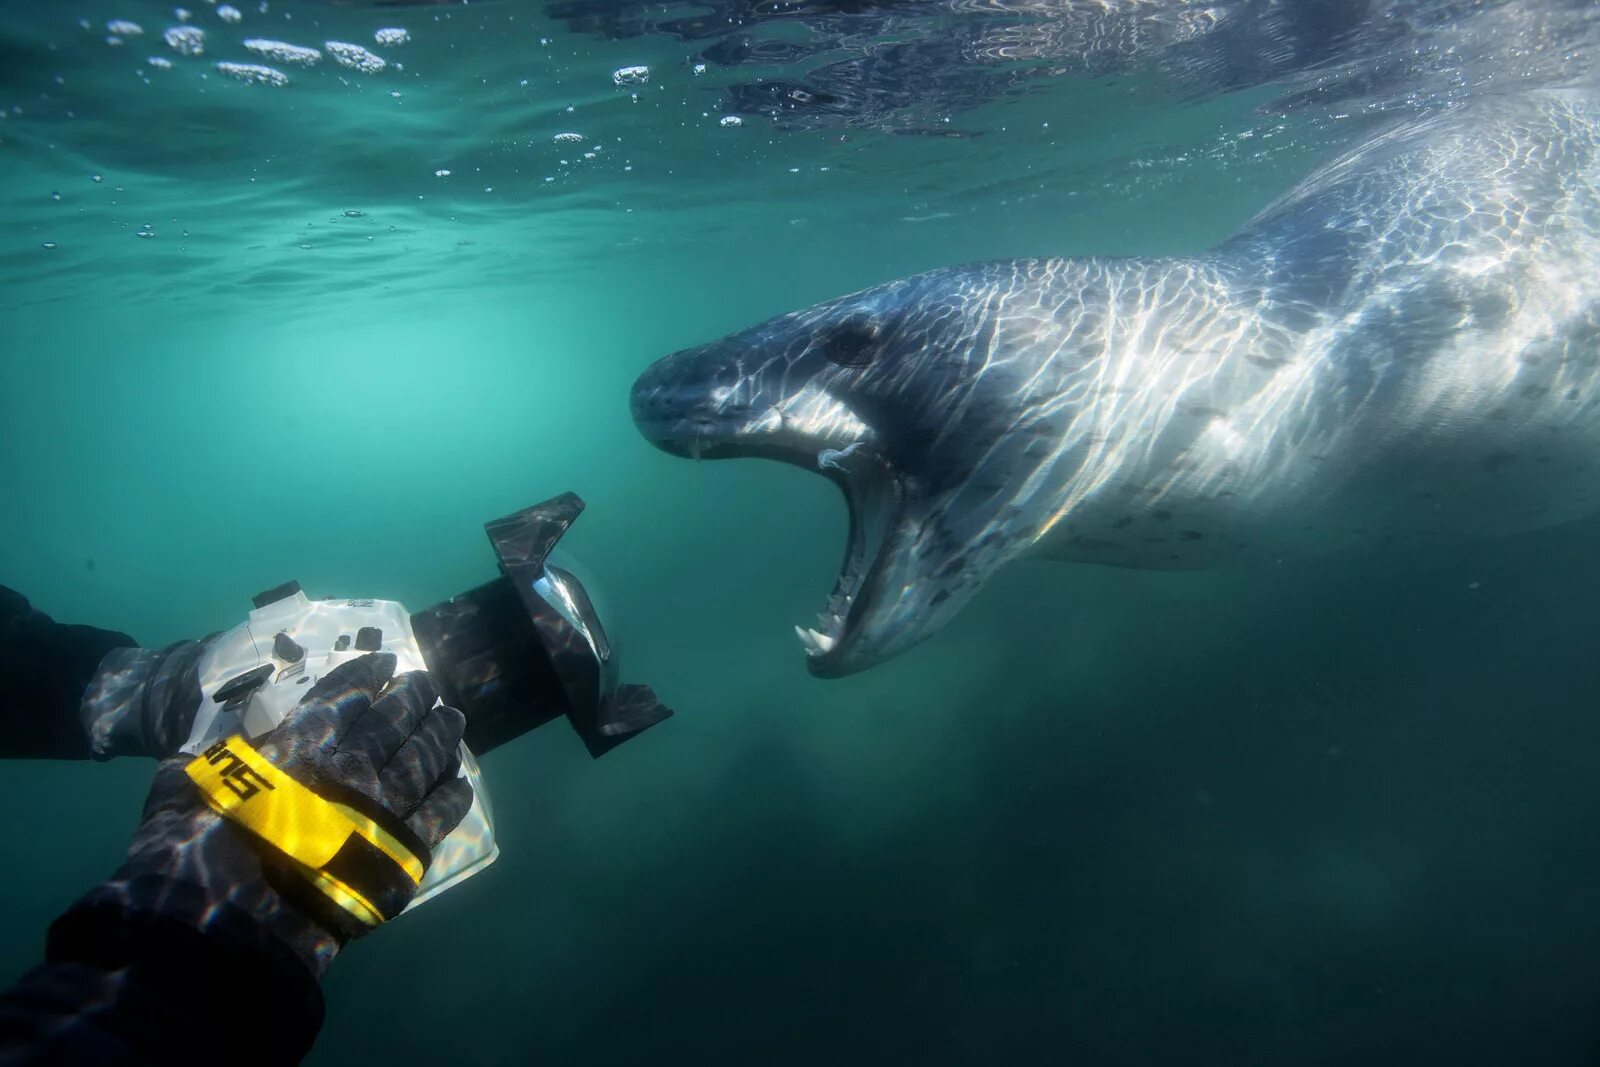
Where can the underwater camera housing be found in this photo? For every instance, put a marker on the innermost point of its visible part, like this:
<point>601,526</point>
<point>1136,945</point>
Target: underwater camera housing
<point>511,654</point>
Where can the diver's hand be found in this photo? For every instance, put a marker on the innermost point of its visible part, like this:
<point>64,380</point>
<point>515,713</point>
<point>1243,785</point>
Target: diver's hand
<point>360,731</point>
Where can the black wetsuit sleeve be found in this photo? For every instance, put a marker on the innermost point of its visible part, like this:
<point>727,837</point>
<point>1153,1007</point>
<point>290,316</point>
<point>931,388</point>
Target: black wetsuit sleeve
<point>132,975</point>
<point>44,668</point>
<point>131,988</point>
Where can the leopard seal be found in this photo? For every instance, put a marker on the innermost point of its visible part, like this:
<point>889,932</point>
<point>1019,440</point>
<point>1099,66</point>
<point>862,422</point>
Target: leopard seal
<point>1404,349</point>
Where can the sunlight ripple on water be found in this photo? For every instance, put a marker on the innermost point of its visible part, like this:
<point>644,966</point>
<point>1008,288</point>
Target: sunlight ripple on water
<point>942,117</point>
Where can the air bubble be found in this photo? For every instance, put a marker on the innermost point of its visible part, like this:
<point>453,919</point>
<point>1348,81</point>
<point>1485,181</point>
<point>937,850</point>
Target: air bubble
<point>390,36</point>
<point>355,57</point>
<point>283,51</point>
<point>229,13</point>
<point>253,74</point>
<point>186,40</point>
<point>637,75</point>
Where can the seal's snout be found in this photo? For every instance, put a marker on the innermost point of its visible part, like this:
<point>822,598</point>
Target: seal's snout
<point>649,401</point>
<point>664,395</point>
<point>682,405</point>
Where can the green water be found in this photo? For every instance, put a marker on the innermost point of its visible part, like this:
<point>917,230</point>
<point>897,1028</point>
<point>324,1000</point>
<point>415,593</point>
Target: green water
<point>1336,813</point>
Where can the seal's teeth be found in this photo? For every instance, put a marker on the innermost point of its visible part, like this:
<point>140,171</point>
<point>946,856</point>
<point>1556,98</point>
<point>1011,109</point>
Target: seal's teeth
<point>826,621</point>
<point>815,643</point>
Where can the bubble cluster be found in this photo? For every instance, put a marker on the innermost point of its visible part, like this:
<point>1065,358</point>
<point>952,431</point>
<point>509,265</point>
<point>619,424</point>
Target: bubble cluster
<point>229,13</point>
<point>630,76</point>
<point>159,61</point>
<point>390,36</point>
<point>568,138</point>
<point>730,121</point>
<point>186,40</point>
<point>253,73</point>
<point>124,28</point>
<point>355,57</point>
<point>283,51</point>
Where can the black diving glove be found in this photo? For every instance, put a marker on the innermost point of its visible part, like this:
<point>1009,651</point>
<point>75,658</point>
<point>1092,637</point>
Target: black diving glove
<point>361,738</point>
<point>142,701</point>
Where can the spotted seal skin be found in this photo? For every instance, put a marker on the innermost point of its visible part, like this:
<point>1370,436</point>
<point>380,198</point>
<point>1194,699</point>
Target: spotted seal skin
<point>1403,350</point>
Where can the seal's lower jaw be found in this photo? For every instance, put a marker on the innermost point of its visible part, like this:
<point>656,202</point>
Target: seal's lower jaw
<point>842,642</point>
<point>849,633</point>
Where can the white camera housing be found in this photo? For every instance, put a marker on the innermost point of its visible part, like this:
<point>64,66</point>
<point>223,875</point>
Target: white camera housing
<point>320,635</point>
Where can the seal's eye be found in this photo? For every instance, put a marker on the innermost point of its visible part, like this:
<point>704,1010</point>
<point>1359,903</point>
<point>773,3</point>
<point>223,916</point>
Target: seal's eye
<point>853,342</point>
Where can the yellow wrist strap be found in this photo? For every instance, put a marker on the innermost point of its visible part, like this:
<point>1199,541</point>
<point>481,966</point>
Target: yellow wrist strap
<point>345,854</point>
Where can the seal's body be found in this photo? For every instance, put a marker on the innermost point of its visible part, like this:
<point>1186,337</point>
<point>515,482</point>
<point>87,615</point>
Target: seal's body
<point>1405,349</point>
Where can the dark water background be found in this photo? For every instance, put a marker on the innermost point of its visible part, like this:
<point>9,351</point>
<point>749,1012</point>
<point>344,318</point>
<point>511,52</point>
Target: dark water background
<point>1335,813</point>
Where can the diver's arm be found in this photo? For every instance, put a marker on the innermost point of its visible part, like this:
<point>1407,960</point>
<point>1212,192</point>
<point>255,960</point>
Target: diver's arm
<point>78,692</point>
<point>45,667</point>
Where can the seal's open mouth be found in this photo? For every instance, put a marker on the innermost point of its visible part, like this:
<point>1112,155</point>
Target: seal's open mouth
<point>872,493</point>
